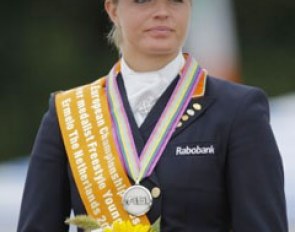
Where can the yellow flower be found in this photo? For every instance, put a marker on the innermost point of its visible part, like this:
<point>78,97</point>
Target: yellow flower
<point>127,227</point>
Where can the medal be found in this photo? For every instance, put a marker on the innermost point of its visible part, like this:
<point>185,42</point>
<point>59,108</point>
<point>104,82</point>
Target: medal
<point>137,200</point>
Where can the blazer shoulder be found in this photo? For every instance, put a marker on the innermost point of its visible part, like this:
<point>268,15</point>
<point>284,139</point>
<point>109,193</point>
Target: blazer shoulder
<point>228,90</point>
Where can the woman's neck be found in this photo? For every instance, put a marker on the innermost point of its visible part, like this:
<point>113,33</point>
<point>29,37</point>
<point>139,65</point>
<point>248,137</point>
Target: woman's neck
<point>147,63</point>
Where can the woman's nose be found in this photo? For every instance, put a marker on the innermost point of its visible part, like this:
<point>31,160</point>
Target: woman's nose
<point>161,9</point>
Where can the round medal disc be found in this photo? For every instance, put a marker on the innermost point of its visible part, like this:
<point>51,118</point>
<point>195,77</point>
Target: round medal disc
<point>137,200</point>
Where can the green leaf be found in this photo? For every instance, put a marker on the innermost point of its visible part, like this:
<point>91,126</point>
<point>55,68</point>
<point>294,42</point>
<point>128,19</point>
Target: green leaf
<point>156,226</point>
<point>83,222</point>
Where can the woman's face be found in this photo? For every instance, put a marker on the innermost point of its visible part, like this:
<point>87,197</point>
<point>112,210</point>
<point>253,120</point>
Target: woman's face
<point>150,27</point>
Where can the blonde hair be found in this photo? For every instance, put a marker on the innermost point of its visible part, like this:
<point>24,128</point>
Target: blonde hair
<point>114,36</point>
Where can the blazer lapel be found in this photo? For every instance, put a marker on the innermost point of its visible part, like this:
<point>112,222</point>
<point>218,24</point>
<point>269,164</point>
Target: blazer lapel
<point>137,135</point>
<point>140,136</point>
<point>195,109</point>
<point>152,118</point>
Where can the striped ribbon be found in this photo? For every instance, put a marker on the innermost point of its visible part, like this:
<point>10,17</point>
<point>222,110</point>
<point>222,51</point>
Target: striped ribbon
<point>139,167</point>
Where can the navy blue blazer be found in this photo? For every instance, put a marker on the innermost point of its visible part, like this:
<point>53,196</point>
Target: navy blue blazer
<point>234,183</point>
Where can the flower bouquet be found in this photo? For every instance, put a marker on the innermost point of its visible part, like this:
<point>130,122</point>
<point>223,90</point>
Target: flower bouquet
<point>89,224</point>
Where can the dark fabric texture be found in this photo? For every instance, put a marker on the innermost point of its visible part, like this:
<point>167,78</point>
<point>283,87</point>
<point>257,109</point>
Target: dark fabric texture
<point>239,188</point>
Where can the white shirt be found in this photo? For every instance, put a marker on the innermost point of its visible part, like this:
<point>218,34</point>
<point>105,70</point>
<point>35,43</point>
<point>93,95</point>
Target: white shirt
<point>144,88</point>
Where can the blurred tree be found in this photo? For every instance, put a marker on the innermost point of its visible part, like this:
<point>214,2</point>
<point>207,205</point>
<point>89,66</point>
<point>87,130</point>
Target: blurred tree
<point>46,46</point>
<point>267,35</point>
<point>53,45</point>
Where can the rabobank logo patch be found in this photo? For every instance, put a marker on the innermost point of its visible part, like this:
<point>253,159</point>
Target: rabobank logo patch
<point>195,150</point>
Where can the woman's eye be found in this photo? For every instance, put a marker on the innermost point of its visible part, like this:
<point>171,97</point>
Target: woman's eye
<point>141,1</point>
<point>145,1</point>
<point>178,1</point>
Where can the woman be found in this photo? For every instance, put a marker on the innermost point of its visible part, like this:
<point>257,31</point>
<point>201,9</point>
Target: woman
<point>156,138</point>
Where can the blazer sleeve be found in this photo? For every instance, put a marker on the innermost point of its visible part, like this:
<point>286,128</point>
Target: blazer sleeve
<point>46,197</point>
<point>255,175</point>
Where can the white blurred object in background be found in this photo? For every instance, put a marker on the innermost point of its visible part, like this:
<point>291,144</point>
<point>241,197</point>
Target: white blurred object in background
<point>12,178</point>
<point>213,38</point>
<point>283,123</point>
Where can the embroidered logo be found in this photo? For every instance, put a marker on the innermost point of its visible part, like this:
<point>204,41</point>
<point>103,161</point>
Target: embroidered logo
<point>195,150</point>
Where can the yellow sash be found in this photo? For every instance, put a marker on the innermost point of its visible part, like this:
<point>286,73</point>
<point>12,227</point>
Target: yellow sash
<point>85,122</point>
<point>86,127</point>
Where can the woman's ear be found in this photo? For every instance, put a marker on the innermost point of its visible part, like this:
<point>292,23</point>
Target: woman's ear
<point>111,9</point>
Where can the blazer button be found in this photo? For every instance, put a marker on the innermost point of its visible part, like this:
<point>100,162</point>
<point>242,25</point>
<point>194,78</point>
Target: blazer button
<point>156,192</point>
<point>190,112</point>
<point>197,106</point>
<point>185,118</point>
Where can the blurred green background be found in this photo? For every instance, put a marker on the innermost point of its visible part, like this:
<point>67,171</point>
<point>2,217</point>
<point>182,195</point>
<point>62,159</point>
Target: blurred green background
<point>53,45</point>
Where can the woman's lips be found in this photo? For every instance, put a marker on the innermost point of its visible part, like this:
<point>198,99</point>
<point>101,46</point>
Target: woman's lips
<point>160,31</point>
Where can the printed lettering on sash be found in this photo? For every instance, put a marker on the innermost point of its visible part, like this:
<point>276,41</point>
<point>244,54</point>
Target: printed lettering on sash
<point>87,132</point>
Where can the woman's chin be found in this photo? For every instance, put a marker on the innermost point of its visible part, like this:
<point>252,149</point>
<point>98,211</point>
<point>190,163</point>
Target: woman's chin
<point>162,50</point>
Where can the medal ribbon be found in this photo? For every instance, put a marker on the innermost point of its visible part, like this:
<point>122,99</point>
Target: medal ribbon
<point>138,168</point>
